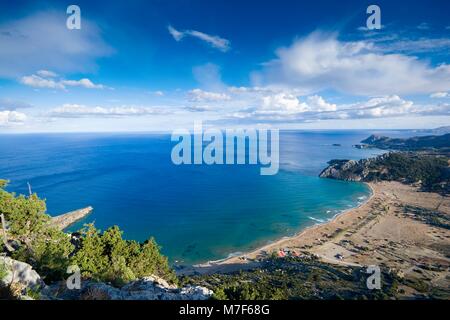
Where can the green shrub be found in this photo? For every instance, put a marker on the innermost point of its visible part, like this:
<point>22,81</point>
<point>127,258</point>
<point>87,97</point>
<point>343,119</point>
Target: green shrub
<point>3,271</point>
<point>44,247</point>
<point>108,257</point>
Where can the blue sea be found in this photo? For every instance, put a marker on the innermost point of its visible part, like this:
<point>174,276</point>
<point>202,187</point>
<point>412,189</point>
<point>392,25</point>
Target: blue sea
<point>197,213</point>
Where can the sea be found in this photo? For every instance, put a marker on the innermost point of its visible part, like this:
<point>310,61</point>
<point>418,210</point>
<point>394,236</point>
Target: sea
<point>196,213</point>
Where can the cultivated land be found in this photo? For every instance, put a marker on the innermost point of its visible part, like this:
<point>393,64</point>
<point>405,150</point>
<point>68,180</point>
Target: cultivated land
<point>400,229</point>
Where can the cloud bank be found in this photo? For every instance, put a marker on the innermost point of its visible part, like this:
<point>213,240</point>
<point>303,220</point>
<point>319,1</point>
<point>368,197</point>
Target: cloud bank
<point>8,118</point>
<point>83,111</point>
<point>320,62</point>
<point>46,79</point>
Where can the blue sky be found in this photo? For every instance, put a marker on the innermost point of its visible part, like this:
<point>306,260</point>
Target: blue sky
<point>161,65</point>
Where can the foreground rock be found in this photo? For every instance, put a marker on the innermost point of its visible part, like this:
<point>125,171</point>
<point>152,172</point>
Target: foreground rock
<point>148,288</point>
<point>21,281</point>
<point>20,278</point>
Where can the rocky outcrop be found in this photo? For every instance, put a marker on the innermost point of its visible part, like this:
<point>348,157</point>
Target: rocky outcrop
<point>429,172</point>
<point>20,278</point>
<point>351,170</point>
<point>65,220</point>
<point>148,288</point>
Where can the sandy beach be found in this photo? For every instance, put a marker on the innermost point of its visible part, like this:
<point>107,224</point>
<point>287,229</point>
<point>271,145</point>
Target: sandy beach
<point>383,231</point>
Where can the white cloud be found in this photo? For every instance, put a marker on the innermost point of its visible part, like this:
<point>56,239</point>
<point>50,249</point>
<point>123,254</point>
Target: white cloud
<point>46,74</point>
<point>48,81</point>
<point>39,82</point>
<point>414,45</point>
<point>80,111</point>
<point>423,26</point>
<point>289,104</point>
<point>199,95</point>
<point>440,95</point>
<point>287,107</point>
<point>317,103</point>
<point>320,62</point>
<point>214,41</point>
<point>380,107</point>
<point>177,35</point>
<point>9,117</point>
<point>42,41</point>
<point>282,103</point>
<point>202,108</point>
<point>86,83</point>
<point>208,76</point>
<point>364,28</point>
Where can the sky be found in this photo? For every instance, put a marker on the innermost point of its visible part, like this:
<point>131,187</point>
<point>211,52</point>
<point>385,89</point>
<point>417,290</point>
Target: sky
<point>162,65</point>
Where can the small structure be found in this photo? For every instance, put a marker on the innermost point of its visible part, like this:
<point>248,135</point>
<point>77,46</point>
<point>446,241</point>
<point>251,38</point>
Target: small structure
<point>281,254</point>
<point>339,256</point>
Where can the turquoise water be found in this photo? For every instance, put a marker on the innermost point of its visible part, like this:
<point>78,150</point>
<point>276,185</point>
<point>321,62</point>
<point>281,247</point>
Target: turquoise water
<point>196,213</point>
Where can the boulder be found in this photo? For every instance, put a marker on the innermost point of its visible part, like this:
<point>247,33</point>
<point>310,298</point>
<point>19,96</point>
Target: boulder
<point>148,288</point>
<point>20,272</point>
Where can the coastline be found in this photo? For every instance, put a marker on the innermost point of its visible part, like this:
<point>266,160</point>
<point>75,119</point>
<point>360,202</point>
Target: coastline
<point>375,232</point>
<point>245,260</point>
<point>283,239</point>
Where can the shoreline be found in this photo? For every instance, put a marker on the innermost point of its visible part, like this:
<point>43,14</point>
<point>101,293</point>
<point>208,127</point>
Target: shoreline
<point>292,237</point>
<point>379,231</point>
<point>243,256</point>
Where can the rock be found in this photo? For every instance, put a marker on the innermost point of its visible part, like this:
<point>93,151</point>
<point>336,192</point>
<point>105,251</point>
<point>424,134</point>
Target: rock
<point>148,288</point>
<point>341,170</point>
<point>351,170</point>
<point>361,146</point>
<point>65,220</point>
<point>20,272</point>
<point>20,278</point>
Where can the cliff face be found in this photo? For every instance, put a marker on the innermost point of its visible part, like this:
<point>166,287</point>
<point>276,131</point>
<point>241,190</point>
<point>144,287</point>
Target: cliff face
<point>351,170</point>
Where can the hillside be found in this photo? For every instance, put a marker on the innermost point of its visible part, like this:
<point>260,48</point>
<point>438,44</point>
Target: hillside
<point>440,144</point>
<point>431,172</point>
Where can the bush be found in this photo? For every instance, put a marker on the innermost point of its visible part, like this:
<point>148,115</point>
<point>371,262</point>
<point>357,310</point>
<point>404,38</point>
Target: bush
<point>108,257</point>
<point>3,271</point>
<point>44,247</point>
